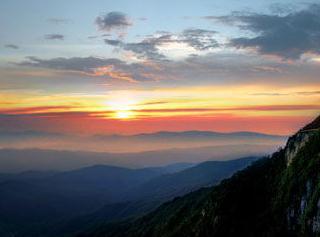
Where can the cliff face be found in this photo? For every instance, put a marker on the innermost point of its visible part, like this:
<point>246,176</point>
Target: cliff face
<point>295,144</point>
<point>300,184</point>
<point>276,196</point>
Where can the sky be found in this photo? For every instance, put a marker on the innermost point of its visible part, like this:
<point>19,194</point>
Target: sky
<point>128,67</point>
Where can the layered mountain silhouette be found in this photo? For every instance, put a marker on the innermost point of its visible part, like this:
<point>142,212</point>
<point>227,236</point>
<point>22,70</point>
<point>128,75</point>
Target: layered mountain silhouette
<point>276,196</point>
<point>58,203</point>
<point>18,153</point>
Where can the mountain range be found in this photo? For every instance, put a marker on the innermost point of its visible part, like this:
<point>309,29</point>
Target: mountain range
<point>132,143</point>
<point>278,195</point>
<point>22,160</point>
<point>54,203</point>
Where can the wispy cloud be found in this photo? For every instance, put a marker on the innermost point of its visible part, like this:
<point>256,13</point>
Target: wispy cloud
<point>36,109</point>
<point>142,19</point>
<point>78,111</point>
<point>54,37</point>
<point>214,68</point>
<point>11,46</point>
<point>303,93</point>
<point>58,21</point>
<point>96,67</point>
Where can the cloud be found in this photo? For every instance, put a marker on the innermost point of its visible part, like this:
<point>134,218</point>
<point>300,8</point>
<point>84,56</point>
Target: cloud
<point>113,42</point>
<point>301,93</point>
<point>282,8</point>
<point>54,37</point>
<point>239,108</point>
<point>269,94</point>
<point>287,36</point>
<point>56,111</point>
<point>308,93</point>
<point>85,64</point>
<point>148,48</point>
<point>199,39</point>
<point>12,46</point>
<point>31,110</point>
<point>96,67</point>
<point>64,114</point>
<point>217,68</point>
<point>112,20</point>
<point>209,67</point>
<point>142,19</point>
<point>58,21</point>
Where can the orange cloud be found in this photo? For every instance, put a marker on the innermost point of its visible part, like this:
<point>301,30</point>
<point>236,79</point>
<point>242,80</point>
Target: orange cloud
<point>110,72</point>
<point>33,110</point>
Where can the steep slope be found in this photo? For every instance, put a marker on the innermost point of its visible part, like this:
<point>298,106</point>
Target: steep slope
<point>276,196</point>
<point>205,174</point>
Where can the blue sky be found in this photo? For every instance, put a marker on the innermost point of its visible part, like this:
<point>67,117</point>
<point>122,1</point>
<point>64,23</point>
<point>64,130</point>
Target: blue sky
<point>25,23</point>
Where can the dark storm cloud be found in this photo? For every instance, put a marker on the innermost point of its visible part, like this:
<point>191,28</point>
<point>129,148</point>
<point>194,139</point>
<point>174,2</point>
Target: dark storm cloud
<point>11,46</point>
<point>198,39</point>
<point>112,20</point>
<point>288,36</point>
<point>54,37</point>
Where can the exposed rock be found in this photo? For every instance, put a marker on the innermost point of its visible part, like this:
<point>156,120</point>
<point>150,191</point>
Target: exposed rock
<point>294,144</point>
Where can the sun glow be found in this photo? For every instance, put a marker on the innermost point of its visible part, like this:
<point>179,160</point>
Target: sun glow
<point>124,114</point>
<point>123,106</point>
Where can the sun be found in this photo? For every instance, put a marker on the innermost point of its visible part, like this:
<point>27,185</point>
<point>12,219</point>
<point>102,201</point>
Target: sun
<point>124,114</point>
<point>122,107</point>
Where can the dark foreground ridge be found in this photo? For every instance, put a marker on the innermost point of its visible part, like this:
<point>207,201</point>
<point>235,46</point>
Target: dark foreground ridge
<point>276,196</point>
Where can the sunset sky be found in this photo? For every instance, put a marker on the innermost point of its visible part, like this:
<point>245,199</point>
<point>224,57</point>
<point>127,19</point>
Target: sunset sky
<point>143,66</point>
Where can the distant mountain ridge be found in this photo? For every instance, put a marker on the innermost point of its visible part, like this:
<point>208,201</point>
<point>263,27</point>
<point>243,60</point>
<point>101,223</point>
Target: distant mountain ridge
<point>276,196</point>
<point>190,133</point>
<point>116,143</point>
<point>159,133</point>
<point>19,160</point>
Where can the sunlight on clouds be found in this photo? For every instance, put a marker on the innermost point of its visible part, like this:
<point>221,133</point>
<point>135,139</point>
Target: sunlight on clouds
<point>109,71</point>
<point>177,50</point>
<point>316,59</point>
